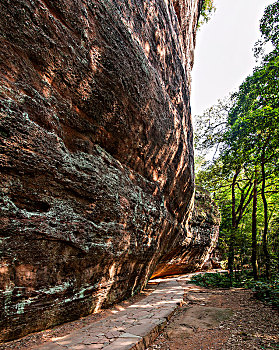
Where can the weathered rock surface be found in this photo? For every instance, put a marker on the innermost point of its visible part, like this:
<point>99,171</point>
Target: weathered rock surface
<point>96,151</point>
<point>191,254</point>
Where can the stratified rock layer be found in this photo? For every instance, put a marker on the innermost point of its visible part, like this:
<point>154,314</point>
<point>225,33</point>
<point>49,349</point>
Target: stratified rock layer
<point>190,255</point>
<point>96,151</point>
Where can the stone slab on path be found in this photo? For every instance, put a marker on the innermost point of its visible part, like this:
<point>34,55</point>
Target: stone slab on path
<point>133,328</point>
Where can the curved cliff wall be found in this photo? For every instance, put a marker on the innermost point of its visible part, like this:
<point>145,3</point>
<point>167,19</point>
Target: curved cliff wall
<point>96,151</point>
<point>190,255</point>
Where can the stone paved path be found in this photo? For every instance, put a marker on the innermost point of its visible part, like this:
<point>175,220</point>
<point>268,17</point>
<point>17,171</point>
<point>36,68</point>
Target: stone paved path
<point>133,328</point>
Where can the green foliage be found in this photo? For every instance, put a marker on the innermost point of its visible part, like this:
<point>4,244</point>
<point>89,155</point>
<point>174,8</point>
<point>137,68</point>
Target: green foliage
<point>211,127</point>
<point>267,291</point>
<point>263,290</point>
<point>254,118</point>
<point>242,132</point>
<point>269,29</point>
<point>269,24</point>
<point>207,10</point>
<point>216,280</point>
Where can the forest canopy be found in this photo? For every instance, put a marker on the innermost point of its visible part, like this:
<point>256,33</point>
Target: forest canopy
<point>241,133</point>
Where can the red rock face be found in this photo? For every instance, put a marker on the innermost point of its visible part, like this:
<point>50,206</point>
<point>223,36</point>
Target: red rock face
<point>96,151</point>
<point>191,254</point>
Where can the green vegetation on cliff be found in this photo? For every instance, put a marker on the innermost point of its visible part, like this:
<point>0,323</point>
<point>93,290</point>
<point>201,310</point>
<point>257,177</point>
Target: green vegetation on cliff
<point>207,10</point>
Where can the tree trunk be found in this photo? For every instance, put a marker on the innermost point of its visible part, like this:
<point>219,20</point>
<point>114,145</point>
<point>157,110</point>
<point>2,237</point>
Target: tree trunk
<point>254,229</point>
<point>233,231</point>
<point>265,249</point>
<point>231,252</point>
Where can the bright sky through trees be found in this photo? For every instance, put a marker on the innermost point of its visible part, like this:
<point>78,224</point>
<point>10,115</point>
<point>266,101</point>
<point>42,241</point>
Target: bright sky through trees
<point>224,52</point>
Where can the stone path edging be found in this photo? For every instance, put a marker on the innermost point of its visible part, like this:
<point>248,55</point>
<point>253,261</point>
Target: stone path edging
<point>133,328</point>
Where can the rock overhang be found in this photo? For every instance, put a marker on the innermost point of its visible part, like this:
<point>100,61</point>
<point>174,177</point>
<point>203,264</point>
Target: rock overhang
<point>96,152</point>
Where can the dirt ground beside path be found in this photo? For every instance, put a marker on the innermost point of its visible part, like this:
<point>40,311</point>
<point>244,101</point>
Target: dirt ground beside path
<point>220,319</point>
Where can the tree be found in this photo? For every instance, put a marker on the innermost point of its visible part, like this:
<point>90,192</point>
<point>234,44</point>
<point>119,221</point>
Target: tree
<point>244,132</point>
<point>254,259</point>
<point>254,128</point>
<point>211,127</point>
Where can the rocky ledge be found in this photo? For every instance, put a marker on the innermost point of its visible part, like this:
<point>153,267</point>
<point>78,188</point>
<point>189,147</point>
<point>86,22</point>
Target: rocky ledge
<point>96,152</point>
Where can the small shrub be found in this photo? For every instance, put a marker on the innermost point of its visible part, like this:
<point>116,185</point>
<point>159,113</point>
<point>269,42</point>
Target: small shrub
<point>220,280</point>
<point>267,291</point>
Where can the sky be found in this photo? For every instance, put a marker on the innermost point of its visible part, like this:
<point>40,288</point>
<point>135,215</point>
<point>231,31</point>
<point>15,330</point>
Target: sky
<point>224,51</point>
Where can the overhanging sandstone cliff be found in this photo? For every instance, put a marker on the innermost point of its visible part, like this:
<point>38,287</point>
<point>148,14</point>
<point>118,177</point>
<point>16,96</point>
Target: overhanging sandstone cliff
<point>190,254</point>
<point>96,151</point>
